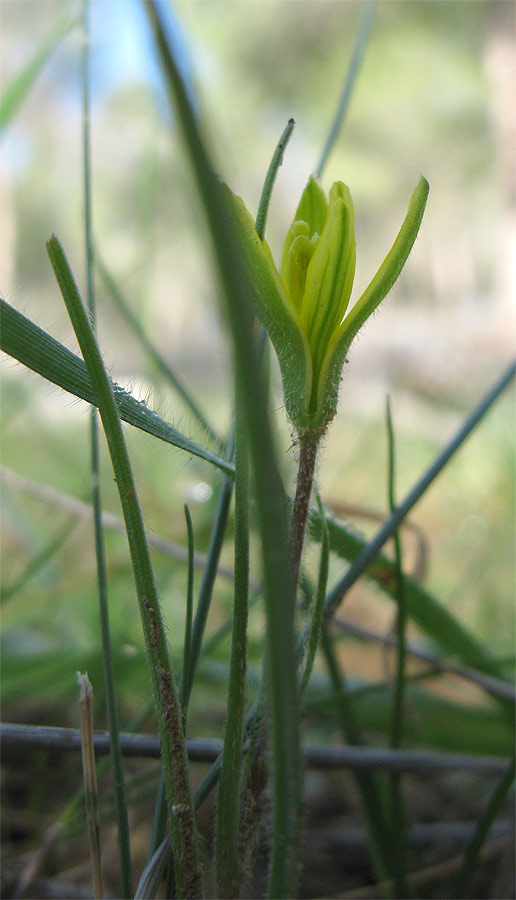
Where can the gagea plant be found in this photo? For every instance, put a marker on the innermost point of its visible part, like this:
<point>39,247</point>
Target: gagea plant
<point>304,309</point>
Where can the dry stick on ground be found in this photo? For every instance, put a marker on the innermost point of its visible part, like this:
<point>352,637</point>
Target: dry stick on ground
<point>207,750</point>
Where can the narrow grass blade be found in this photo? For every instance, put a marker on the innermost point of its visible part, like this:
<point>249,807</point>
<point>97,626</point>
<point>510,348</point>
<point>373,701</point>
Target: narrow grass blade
<point>90,780</point>
<point>161,365</point>
<point>374,813</point>
<point>271,506</point>
<point>270,178</point>
<point>435,722</point>
<point>208,581</point>
<point>396,804</point>
<point>63,828</point>
<point>168,711</point>
<point>199,623</point>
<point>438,664</point>
<point>18,89</point>
<point>371,550</point>
<point>38,562</point>
<point>359,49</point>
<point>318,605</point>
<point>32,346</point>
<point>228,863</point>
<point>187,648</point>
<point>484,824</point>
<point>153,872</point>
<point>124,845</point>
<point>437,622</point>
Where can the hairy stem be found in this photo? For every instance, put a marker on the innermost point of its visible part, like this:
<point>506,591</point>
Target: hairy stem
<point>305,477</point>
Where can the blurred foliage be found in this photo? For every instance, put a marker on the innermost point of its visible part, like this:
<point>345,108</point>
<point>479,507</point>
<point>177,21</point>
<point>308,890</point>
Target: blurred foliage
<point>431,98</point>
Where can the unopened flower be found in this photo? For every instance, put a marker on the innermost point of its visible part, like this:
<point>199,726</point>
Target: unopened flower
<point>305,310</point>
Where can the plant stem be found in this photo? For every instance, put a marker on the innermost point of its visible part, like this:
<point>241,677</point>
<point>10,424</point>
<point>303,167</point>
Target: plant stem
<point>396,804</point>
<point>182,825</point>
<point>305,475</point>
<point>227,857</point>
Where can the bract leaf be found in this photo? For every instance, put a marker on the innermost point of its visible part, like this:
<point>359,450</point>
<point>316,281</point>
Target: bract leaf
<point>274,310</point>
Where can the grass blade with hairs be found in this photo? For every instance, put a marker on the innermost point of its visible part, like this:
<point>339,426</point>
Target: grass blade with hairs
<point>181,817</point>
<point>39,351</point>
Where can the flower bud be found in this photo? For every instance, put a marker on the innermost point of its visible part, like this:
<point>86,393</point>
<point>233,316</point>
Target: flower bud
<point>305,310</point>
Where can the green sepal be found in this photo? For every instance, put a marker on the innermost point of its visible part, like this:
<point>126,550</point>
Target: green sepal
<point>273,309</point>
<point>325,405</point>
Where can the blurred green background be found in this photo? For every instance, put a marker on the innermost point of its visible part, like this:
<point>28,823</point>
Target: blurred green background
<point>434,96</point>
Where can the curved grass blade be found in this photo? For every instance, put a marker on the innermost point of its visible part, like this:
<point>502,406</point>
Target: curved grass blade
<point>189,609</point>
<point>39,351</point>
<point>212,567</point>
<point>359,49</point>
<point>187,870</point>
